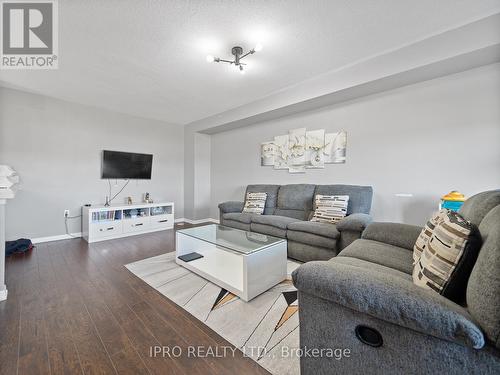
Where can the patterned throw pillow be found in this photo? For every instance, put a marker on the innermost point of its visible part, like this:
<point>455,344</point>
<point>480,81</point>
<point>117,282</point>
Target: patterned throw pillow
<point>426,233</point>
<point>448,257</point>
<point>330,208</point>
<point>255,203</point>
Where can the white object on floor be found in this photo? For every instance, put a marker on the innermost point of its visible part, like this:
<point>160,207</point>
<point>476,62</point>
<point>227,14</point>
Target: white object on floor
<point>101,222</point>
<point>8,187</point>
<point>236,260</point>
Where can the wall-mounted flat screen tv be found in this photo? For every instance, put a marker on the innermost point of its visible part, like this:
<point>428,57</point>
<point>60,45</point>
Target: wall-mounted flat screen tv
<point>126,165</point>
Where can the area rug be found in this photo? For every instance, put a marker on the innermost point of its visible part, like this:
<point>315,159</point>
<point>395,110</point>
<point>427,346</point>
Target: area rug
<point>265,329</point>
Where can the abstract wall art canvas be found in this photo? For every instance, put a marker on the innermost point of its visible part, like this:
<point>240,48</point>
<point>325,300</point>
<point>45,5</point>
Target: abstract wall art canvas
<point>297,150</point>
<point>281,155</point>
<point>335,147</point>
<point>315,144</point>
<point>267,153</point>
<point>301,149</point>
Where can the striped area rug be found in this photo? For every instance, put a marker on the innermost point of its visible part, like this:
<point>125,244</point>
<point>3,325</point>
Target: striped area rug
<point>266,329</point>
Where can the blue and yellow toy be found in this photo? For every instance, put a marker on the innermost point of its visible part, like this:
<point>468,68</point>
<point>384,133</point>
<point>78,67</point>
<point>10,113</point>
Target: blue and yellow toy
<point>453,200</point>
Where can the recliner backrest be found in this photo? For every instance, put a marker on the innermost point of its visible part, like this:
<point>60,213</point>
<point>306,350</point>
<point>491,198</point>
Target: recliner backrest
<point>483,288</point>
<point>476,207</point>
<point>295,201</point>
<point>272,195</point>
<point>360,197</point>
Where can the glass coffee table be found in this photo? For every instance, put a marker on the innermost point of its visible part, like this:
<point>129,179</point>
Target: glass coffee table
<point>244,263</point>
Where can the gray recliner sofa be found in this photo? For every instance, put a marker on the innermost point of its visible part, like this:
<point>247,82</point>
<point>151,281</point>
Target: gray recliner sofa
<point>365,300</point>
<point>287,213</point>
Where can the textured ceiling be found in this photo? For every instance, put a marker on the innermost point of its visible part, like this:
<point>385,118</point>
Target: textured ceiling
<point>147,58</point>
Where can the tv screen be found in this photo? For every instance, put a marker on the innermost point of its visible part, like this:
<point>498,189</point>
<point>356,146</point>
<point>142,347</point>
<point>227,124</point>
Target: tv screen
<point>126,165</point>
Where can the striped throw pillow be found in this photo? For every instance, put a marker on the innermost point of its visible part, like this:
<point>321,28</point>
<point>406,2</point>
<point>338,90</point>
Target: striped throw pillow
<point>426,233</point>
<point>255,203</point>
<point>330,208</point>
<point>448,257</point>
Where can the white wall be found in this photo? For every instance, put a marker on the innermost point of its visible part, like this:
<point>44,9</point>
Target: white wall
<point>196,174</point>
<point>425,139</point>
<point>56,148</point>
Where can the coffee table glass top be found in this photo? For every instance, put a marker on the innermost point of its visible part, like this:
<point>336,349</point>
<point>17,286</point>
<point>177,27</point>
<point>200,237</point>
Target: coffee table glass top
<point>233,239</point>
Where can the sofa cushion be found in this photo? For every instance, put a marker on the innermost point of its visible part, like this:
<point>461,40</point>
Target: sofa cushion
<point>372,267</point>
<point>380,253</point>
<point>396,234</point>
<point>307,253</point>
<point>294,214</point>
<point>320,229</point>
<point>236,224</point>
<point>311,239</point>
<point>242,217</point>
<point>295,201</point>
<point>360,197</point>
<point>272,195</point>
<point>273,220</point>
<point>447,260</point>
<point>268,229</point>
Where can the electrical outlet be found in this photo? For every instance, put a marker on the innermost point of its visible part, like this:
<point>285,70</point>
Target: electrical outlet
<point>66,213</point>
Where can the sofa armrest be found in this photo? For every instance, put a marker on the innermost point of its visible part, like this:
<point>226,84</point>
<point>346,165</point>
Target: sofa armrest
<point>389,297</point>
<point>354,222</point>
<point>231,206</point>
<point>402,235</point>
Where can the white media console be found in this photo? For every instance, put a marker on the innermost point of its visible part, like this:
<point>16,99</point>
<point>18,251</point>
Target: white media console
<point>101,223</point>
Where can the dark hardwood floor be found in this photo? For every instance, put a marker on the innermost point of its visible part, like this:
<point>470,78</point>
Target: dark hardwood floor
<point>73,308</point>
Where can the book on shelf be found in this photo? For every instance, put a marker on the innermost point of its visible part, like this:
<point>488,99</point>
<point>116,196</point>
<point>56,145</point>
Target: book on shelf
<point>103,216</point>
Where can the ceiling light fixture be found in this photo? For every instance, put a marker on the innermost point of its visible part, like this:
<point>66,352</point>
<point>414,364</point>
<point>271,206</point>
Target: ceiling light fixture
<point>238,56</point>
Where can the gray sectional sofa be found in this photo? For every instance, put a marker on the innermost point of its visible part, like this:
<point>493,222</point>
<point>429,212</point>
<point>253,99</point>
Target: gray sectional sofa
<point>365,300</point>
<point>287,211</point>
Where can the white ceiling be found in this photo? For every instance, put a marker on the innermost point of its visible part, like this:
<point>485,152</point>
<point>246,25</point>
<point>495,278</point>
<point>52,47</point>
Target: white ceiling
<point>147,58</point>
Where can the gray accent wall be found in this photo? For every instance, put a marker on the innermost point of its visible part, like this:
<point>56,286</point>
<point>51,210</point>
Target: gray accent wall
<point>56,148</point>
<point>425,139</point>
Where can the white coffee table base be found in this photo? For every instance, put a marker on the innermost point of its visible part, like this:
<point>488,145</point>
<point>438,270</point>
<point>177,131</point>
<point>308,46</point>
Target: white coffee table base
<point>245,275</point>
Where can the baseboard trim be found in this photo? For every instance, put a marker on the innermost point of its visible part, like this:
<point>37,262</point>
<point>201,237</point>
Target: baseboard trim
<point>79,234</point>
<point>56,238</point>
<point>197,221</point>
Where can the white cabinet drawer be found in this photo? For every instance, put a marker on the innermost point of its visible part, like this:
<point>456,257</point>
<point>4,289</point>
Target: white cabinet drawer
<point>162,221</point>
<point>136,225</point>
<point>107,229</point>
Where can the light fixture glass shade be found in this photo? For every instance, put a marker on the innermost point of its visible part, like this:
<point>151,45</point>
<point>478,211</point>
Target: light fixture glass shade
<point>258,47</point>
<point>210,58</point>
